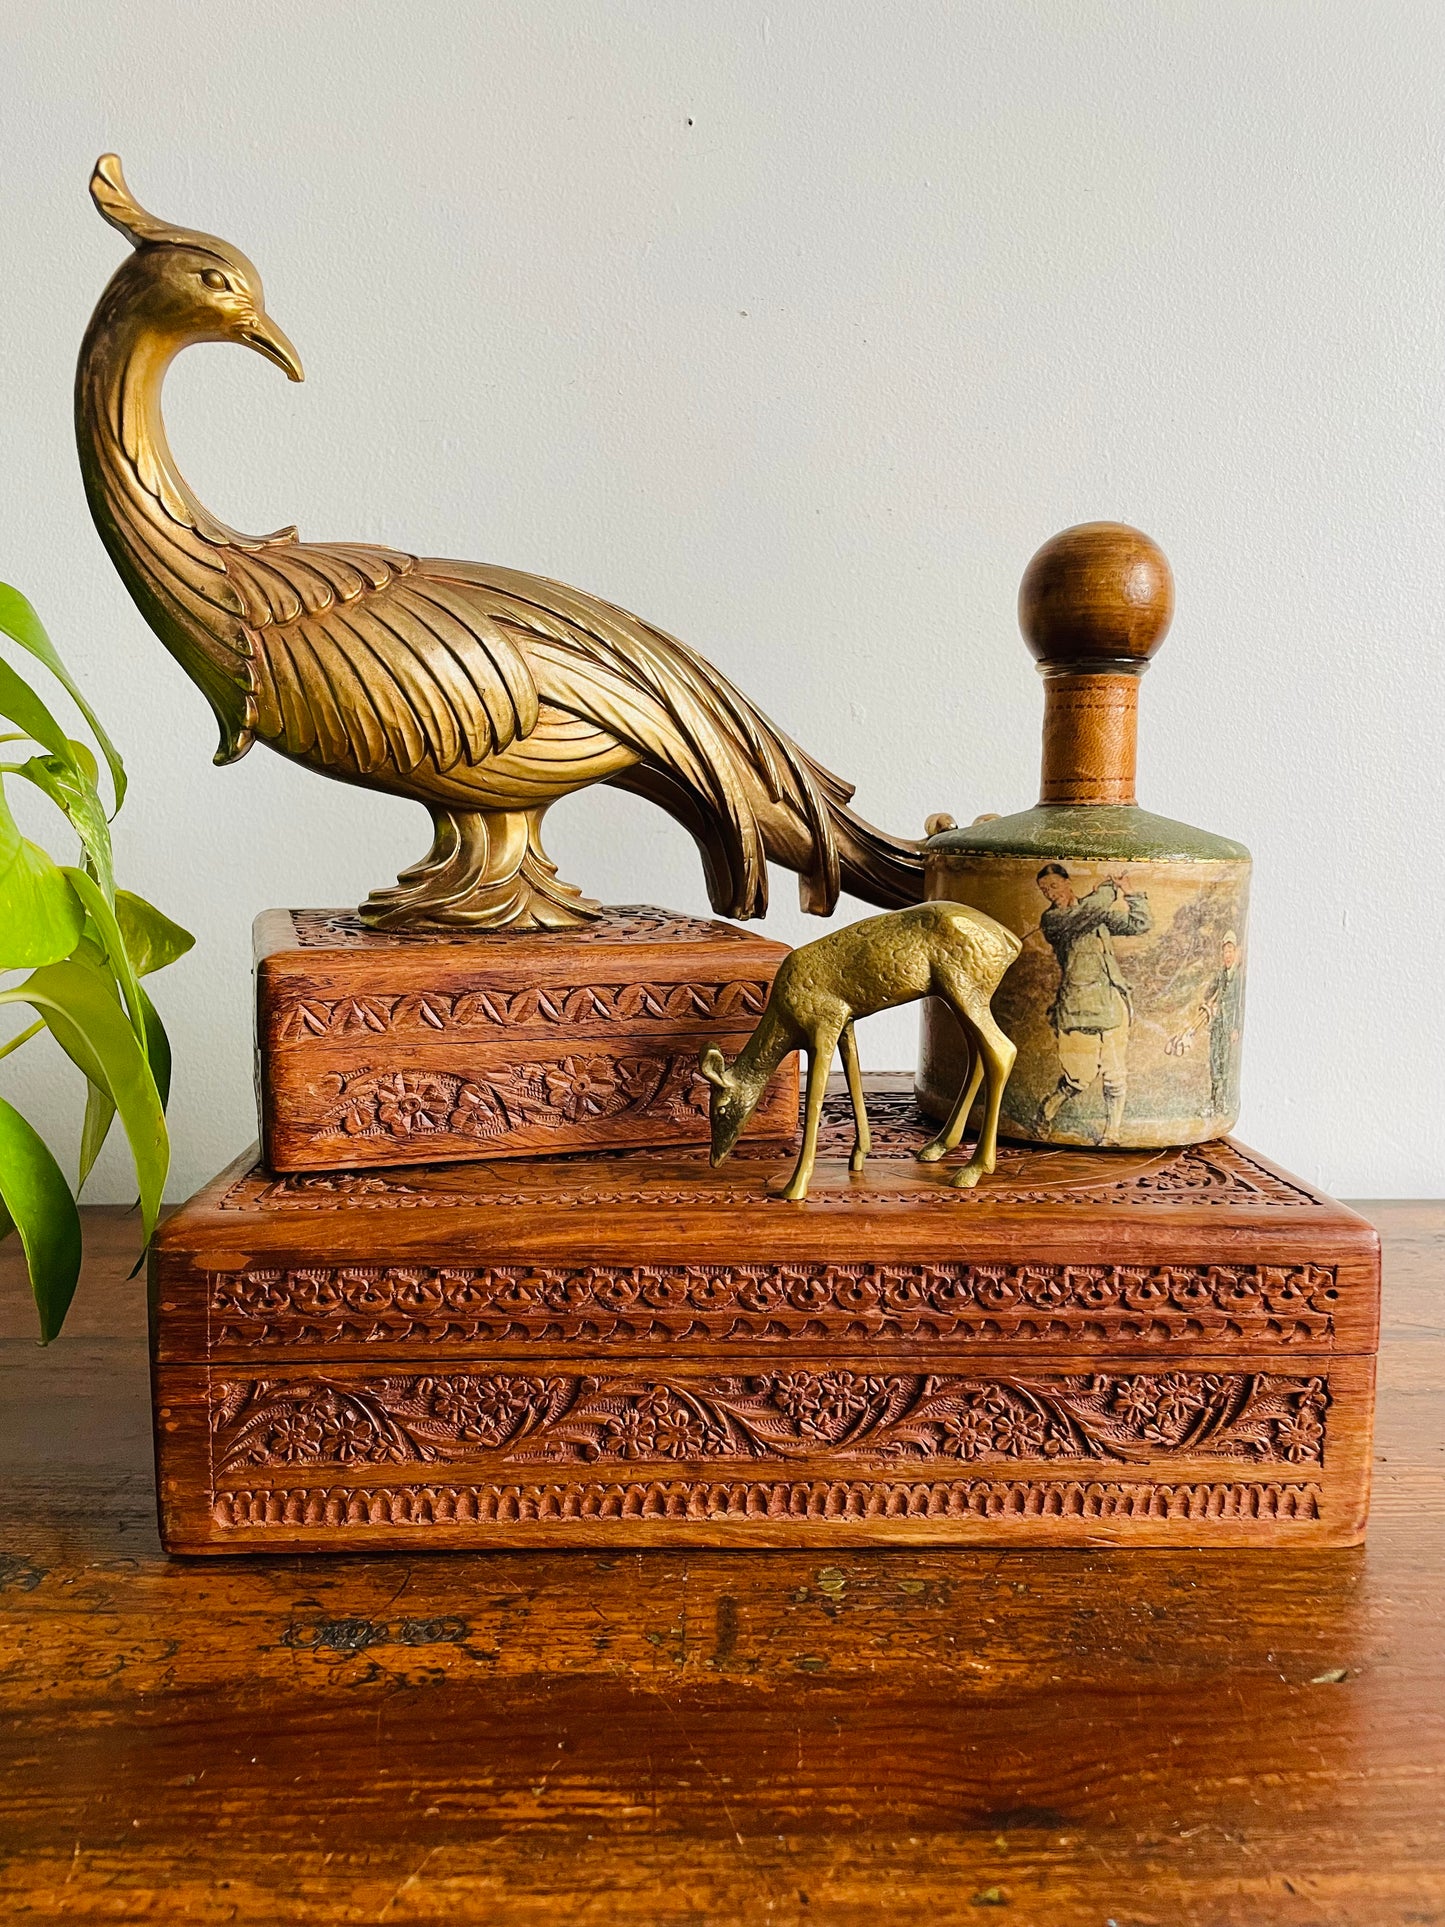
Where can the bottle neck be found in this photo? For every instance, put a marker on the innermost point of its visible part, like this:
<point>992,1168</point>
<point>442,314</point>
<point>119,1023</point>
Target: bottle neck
<point>1090,737</point>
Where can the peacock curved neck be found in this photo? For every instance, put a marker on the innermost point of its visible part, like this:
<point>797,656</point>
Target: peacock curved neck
<point>119,383</point>
<point>168,549</point>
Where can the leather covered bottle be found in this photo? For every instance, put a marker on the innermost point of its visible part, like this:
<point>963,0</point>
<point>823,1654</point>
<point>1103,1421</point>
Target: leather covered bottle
<point>1127,1000</point>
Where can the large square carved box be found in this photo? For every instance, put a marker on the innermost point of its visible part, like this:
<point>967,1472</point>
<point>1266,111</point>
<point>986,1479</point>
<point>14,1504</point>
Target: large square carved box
<point>627,1349</point>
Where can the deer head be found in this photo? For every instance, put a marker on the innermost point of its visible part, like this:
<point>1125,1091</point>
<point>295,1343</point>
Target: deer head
<point>731,1104</point>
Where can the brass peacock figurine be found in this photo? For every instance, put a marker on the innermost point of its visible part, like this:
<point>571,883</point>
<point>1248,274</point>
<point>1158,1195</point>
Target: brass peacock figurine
<point>482,692</point>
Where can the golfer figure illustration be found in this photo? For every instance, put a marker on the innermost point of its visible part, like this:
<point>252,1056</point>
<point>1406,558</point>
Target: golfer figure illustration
<point>1092,1008</point>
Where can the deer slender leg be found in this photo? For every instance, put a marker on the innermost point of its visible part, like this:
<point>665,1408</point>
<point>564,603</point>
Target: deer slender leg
<point>993,1055</point>
<point>948,1138</point>
<point>853,1071</point>
<point>820,1062</point>
<point>998,1055</point>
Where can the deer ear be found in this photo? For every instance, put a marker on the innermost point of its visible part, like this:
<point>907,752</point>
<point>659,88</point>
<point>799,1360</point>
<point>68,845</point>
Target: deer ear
<point>711,1064</point>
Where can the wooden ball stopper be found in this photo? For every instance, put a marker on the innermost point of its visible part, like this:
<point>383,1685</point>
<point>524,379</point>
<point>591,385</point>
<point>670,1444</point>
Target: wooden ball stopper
<point>1099,594</point>
<point>1094,605</point>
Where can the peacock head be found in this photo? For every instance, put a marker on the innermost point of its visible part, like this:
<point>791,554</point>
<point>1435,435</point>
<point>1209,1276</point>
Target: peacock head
<point>184,286</point>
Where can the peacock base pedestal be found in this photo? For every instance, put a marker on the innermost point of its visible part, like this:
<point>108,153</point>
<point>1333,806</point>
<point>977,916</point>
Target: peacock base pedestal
<point>404,1047</point>
<point>1165,1348</point>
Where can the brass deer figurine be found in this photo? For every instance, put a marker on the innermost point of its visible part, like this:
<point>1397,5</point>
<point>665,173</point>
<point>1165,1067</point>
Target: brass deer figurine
<point>484,693</point>
<point>937,949</point>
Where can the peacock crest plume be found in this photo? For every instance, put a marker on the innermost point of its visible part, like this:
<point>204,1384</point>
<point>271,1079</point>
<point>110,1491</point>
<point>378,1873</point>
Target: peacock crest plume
<point>482,692</point>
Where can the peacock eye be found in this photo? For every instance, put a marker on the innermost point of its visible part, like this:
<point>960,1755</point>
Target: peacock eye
<point>213,278</point>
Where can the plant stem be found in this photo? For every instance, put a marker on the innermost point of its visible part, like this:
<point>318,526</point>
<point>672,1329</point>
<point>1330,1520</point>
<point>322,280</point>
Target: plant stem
<point>24,1038</point>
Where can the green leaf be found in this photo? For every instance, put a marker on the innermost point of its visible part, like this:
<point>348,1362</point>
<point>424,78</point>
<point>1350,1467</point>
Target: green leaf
<point>90,950</point>
<point>99,1111</point>
<point>20,704</point>
<point>80,1008</point>
<point>151,938</point>
<point>99,1116</point>
<point>38,1199</point>
<point>20,622</point>
<point>84,758</point>
<point>40,915</point>
<point>158,1048</point>
<point>68,786</point>
<point>104,919</point>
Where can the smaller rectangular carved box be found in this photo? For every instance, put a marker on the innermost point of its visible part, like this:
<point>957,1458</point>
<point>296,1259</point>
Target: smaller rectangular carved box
<point>1147,1348</point>
<point>387,1047</point>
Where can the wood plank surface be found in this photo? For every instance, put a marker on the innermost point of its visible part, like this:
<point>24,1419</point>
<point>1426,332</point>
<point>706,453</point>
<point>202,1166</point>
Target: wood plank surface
<point>1150,1739</point>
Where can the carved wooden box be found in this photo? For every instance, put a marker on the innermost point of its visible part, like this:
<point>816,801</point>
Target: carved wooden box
<point>389,1047</point>
<point>1148,1347</point>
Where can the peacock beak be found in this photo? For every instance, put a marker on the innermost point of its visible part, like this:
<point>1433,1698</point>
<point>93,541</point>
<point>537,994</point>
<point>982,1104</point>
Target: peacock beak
<point>267,339</point>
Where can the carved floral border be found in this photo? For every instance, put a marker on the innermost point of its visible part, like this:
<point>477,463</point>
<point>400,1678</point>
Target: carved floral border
<point>1260,1417</point>
<point>408,1105</point>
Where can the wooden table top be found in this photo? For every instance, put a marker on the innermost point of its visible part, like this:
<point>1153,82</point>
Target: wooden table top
<point>1148,1739</point>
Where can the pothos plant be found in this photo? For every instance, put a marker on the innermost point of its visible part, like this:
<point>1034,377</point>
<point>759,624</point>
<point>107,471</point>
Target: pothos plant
<point>86,946</point>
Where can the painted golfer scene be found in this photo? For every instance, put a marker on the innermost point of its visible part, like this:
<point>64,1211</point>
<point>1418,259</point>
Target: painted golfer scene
<point>1126,1003</point>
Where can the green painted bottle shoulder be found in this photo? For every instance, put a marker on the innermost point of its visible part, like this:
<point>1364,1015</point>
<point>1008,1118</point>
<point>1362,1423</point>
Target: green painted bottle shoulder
<point>1086,831</point>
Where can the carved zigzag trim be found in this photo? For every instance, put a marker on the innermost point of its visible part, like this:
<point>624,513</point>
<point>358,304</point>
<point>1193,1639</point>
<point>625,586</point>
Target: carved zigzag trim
<point>430,1013</point>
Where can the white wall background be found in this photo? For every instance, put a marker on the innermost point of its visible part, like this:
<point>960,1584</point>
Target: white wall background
<point>796,327</point>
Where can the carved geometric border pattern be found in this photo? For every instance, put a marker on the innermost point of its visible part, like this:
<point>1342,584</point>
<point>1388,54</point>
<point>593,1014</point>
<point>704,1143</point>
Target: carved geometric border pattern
<point>899,1130</point>
<point>1217,1174</point>
<point>432,1012</point>
<point>586,1419</point>
<point>620,923</point>
<point>1138,1304</point>
<point>838,1502</point>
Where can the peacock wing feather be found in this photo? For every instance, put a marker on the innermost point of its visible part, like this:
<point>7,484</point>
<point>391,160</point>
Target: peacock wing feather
<point>744,757</point>
<point>597,662</point>
<point>381,666</point>
<point>368,664</point>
